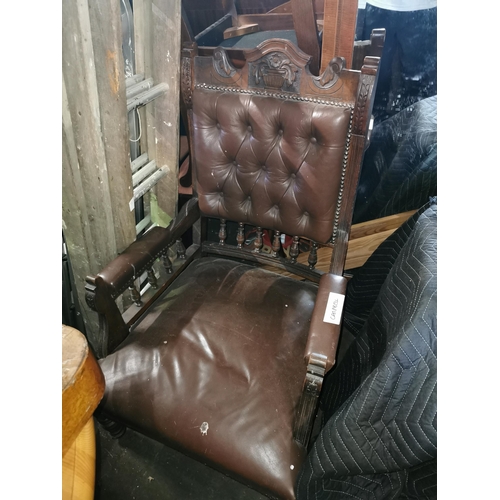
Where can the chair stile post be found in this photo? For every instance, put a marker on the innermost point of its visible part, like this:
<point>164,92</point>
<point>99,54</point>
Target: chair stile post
<point>257,244</point>
<point>222,232</point>
<point>136,296</point>
<point>167,263</point>
<point>294,249</point>
<point>152,278</point>
<point>276,244</point>
<point>313,255</point>
<point>240,237</point>
<point>181,250</point>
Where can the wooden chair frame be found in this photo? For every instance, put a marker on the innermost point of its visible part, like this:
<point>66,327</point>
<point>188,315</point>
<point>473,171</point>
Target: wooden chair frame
<point>161,244</point>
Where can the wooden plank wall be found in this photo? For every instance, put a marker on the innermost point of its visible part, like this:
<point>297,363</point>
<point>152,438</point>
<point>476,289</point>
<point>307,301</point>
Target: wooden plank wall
<point>96,176</point>
<point>157,27</point>
<point>98,222</point>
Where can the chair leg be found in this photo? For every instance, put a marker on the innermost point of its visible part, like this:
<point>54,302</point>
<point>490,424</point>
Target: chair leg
<point>115,429</point>
<point>307,408</point>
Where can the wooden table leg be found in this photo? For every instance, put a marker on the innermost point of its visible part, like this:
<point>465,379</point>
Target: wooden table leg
<point>78,466</point>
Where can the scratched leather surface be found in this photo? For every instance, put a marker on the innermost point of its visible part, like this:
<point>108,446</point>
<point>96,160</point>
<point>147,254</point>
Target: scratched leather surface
<point>219,347</point>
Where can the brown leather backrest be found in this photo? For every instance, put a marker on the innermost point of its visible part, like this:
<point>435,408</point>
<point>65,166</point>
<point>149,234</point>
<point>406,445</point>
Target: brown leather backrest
<point>271,142</point>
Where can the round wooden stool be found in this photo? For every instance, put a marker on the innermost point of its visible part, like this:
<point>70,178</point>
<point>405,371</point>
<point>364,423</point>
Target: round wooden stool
<point>82,390</point>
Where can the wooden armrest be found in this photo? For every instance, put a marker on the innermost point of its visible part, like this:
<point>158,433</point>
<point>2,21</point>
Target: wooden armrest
<point>102,289</point>
<point>141,254</point>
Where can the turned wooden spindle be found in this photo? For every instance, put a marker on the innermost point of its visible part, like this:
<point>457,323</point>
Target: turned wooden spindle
<point>136,296</point>
<point>276,244</point>
<point>222,232</point>
<point>240,237</point>
<point>257,244</point>
<point>167,263</point>
<point>152,278</point>
<point>294,249</point>
<point>181,250</point>
<point>313,255</point>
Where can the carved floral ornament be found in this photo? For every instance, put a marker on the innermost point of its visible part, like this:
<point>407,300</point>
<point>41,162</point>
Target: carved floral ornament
<point>222,65</point>
<point>275,70</point>
<point>331,73</point>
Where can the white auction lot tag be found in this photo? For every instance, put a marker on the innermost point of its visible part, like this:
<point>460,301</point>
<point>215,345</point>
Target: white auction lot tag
<point>334,308</point>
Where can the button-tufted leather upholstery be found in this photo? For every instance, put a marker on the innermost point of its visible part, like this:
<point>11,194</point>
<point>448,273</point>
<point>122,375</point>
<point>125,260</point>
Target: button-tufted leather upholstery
<point>269,162</point>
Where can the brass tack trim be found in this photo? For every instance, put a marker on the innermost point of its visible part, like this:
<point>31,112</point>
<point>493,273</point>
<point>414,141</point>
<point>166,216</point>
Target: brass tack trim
<point>216,88</point>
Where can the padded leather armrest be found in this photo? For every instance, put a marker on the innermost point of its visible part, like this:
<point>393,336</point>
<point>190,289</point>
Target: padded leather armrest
<point>324,335</point>
<point>141,254</point>
<point>134,260</point>
<point>106,286</point>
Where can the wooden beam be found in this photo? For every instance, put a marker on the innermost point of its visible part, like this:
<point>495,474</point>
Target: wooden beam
<point>157,28</point>
<point>372,227</point>
<point>287,8</point>
<point>304,20</point>
<point>364,239</point>
<point>143,65</point>
<point>339,31</point>
<point>97,182</point>
<point>245,29</point>
<point>268,22</point>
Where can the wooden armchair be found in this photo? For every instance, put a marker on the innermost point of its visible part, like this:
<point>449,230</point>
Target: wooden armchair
<point>224,360</point>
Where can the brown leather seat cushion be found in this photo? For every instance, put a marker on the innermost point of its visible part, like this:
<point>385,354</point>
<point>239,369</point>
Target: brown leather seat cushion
<point>223,346</point>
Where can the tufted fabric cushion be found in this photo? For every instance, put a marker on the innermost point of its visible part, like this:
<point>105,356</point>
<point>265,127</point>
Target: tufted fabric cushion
<point>273,163</point>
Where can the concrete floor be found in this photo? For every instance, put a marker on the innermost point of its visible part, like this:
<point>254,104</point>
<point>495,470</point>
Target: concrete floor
<point>135,467</point>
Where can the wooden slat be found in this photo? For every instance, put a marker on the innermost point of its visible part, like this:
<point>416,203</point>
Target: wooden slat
<point>359,250</point>
<point>339,31</point>
<point>365,238</point>
<point>287,8</point>
<point>330,26</point>
<point>346,30</point>
<point>268,22</point>
<point>105,21</point>
<point>166,29</point>
<point>240,30</point>
<point>143,45</point>
<point>372,227</point>
<point>133,313</point>
<point>304,21</point>
<point>96,176</point>
<point>276,264</point>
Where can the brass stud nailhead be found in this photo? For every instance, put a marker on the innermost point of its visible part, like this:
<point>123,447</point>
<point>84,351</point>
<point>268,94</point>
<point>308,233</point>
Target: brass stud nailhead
<point>271,94</point>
